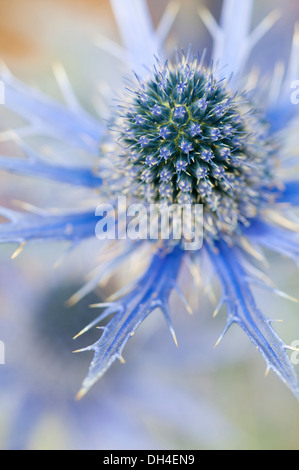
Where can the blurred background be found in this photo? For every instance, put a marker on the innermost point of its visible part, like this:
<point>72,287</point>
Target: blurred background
<point>193,397</point>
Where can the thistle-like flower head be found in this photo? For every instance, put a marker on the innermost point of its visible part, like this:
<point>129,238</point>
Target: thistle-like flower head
<point>186,138</point>
<point>181,134</point>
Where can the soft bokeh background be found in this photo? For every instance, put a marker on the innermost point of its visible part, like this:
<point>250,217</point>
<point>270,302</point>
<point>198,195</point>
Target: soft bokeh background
<point>193,397</point>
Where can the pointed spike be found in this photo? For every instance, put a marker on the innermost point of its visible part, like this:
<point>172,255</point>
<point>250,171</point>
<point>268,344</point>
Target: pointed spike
<point>273,289</point>
<point>101,305</point>
<point>267,370</point>
<point>81,350</point>
<point>165,309</point>
<point>209,21</point>
<point>59,261</point>
<point>81,293</point>
<point>252,250</point>
<point>82,392</point>
<point>258,273</point>
<point>183,299</point>
<point>229,322</point>
<point>282,221</point>
<point>285,295</point>
<point>210,293</point>
<point>103,315</point>
<point>111,47</point>
<point>291,348</point>
<point>266,24</point>
<point>218,308</point>
<point>18,251</point>
<point>167,20</point>
<point>63,257</point>
<point>121,292</point>
<point>194,270</point>
<point>84,330</point>
<point>171,329</point>
<point>122,360</point>
<point>218,341</point>
<point>174,337</point>
<point>66,87</point>
<point>73,300</point>
<point>81,332</point>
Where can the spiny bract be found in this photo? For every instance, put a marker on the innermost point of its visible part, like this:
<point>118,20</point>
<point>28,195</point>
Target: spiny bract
<point>185,138</point>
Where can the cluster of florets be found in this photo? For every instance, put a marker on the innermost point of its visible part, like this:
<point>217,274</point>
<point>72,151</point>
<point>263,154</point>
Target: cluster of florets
<point>185,138</point>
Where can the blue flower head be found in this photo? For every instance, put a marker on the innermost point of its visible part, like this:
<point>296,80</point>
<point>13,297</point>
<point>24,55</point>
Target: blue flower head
<point>183,133</point>
<point>221,154</point>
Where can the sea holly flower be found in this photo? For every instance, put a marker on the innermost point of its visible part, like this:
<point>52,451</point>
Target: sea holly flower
<point>185,132</point>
